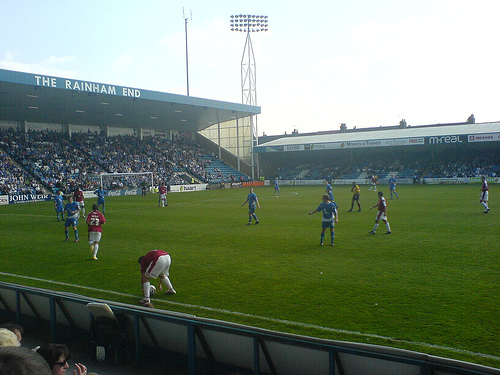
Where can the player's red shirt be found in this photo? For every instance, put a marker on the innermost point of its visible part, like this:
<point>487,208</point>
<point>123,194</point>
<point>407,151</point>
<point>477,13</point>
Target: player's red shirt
<point>78,196</point>
<point>163,189</point>
<point>150,259</point>
<point>382,204</point>
<point>94,220</point>
<point>485,186</point>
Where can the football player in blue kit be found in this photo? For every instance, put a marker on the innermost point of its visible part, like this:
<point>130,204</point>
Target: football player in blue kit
<point>59,205</point>
<point>277,190</point>
<point>252,203</point>
<point>330,217</point>
<point>329,191</point>
<point>100,198</point>
<point>392,186</point>
<point>72,212</point>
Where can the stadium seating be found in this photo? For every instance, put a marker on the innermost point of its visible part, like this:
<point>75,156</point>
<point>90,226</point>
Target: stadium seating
<point>35,161</point>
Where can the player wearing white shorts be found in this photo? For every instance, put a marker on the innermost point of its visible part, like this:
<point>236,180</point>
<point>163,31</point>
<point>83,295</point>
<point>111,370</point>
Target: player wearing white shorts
<point>381,214</point>
<point>155,264</point>
<point>78,196</point>
<point>483,199</point>
<point>162,199</point>
<point>94,222</point>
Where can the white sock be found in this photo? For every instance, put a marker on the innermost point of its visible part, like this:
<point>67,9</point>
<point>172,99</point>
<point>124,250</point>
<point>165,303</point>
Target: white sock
<point>375,227</point>
<point>146,289</point>
<point>388,226</point>
<point>96,249</point>
<point>167,283</point>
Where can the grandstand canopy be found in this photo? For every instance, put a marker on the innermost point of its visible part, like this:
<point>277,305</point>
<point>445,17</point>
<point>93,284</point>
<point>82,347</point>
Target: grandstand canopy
<point>439,134</point>
<point>46,99</point>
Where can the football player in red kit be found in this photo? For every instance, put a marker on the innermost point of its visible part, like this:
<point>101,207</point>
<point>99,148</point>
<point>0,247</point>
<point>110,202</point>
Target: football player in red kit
<point>162,199</point>
<point>78,197</point>
<point>94,221</point>
<point>154,264</point>
<point>483,199</point>
<point>381,214</point>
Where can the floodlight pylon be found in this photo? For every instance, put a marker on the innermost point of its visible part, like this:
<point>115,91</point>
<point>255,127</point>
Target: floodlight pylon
<point>249,24</point>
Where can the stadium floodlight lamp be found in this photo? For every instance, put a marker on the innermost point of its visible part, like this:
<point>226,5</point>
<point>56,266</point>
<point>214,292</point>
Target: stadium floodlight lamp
<point>248,23</point>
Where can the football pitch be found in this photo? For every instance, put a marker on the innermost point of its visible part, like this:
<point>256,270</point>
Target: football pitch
<point>432,286</point>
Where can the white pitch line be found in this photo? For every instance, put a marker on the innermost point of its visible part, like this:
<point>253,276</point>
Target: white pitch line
<point>274,320</point>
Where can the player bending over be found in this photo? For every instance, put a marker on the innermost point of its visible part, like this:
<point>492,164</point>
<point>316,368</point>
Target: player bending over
<point>154,264</point>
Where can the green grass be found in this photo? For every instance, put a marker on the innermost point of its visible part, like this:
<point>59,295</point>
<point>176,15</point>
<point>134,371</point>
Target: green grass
<point>431,286</point>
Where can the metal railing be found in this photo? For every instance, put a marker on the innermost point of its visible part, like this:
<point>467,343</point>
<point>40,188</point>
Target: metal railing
<point>256,350</point>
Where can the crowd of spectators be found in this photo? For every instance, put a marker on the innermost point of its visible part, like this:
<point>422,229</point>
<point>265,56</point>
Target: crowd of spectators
<point>445,165</point>
<point>355,171</point>
<point>49,158</point>
<point>486,164</point>
<point>34,160</point>
<point>14,179</point>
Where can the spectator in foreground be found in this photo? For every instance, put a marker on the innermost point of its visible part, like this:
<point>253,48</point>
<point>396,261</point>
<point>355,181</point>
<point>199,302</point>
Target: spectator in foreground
<point>16,328</point>
<point>8,338</point>
<point>57,357</point>
<point>15,361</point>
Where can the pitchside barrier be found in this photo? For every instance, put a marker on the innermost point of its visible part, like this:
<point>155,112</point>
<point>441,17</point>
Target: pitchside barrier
<point>359,181</point>
<point>31,198</point>
<point>383,182</point>
<point>207,343</point>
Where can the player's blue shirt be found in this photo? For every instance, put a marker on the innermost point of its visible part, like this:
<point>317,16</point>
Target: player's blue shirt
<point>252,199</point>
<point>329,191</point>
<point>73,206</point>
<point>392,183</point>
<point>58,200</point>
<point>328,210</point>
<point>100,195</point>
<point>276,185</point>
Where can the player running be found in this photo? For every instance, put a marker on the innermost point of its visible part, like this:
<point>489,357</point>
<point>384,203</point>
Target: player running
<point>100,198</point>
<point>72,212</point>
<point>381,214</point>
<point>94,221</point>
<point>59,205</point>
<point>330,214</point>
<point>78,197</point>
<point>329,191</point>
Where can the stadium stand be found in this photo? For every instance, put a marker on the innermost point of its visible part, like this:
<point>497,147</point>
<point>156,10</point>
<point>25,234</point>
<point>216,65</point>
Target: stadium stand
<point>444,165</point>
<point>38,160</point>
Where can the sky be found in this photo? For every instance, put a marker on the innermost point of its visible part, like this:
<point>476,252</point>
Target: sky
<point>364,63</point>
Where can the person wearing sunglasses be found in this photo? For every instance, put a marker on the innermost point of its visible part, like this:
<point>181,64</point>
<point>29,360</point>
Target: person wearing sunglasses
<point>57,356</point>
